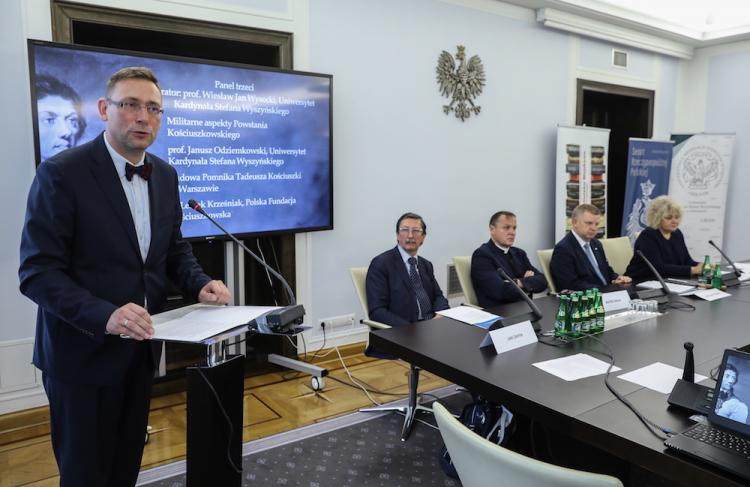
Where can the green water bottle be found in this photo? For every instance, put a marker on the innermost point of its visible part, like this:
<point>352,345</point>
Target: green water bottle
<point>561,317</point>
<point>705,277</point>
<point>599,313</point>
<point>575,318</point>
<point>716,281</point>
<point>585,316</point>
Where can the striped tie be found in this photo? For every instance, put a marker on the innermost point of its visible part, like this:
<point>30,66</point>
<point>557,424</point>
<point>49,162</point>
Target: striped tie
<point>594,263</point>
<point>423,301</point>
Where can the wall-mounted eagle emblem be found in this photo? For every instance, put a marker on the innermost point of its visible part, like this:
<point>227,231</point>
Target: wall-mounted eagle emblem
<point>461,84</point>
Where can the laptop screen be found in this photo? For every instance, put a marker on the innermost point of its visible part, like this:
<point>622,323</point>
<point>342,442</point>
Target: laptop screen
<point>731,403</point>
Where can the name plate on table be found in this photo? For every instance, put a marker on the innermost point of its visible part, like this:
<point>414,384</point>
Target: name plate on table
<point>510,337</point>
<point>615,301</point>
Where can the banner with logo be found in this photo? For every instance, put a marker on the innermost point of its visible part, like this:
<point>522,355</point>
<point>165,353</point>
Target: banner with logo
<point>699,180</point>
<point>581,174</point>
<point>648,177</point>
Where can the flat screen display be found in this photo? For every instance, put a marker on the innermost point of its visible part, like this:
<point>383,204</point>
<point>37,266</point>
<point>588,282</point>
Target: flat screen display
<point>252,145</point>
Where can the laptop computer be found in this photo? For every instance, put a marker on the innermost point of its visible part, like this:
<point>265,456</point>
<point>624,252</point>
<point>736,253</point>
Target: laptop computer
<point>725,440</point>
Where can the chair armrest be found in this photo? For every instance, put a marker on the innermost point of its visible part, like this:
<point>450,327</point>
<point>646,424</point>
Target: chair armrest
<point>374,325</point>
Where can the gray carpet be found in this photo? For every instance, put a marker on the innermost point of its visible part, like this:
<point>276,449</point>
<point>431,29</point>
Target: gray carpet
<point>362,449</point>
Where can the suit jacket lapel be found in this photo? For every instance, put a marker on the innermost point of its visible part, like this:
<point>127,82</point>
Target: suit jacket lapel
<point>156,185</point>
<point>106,176</point>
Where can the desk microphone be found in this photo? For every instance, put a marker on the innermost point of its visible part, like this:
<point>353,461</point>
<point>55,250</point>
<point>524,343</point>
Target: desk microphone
<point>277,320</point>
<point>535,314</point>
<point>659,295</point>
<point>728,280</point>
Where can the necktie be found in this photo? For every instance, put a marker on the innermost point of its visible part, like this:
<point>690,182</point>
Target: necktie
<point>423,301</point>
<point>594,263</point>
<point>144,171</point>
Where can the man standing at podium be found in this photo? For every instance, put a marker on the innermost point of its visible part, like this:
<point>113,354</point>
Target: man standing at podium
<point>100,239</point>
<point>401,286</point>
<point>491,288</point>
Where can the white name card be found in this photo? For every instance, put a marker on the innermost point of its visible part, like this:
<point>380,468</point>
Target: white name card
<point>510,337</point>
<point>616,301</point>
<point>711,294</point>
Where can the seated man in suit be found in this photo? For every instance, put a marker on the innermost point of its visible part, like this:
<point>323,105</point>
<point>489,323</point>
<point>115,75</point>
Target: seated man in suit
<point>489,285</point>
<point>401,286</point>
<point>578,261</point>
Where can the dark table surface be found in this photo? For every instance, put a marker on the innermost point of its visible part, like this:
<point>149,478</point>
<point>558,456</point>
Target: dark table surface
<point>586,409</point>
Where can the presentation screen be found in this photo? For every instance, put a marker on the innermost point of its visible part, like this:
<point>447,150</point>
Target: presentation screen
<point>252,145</point>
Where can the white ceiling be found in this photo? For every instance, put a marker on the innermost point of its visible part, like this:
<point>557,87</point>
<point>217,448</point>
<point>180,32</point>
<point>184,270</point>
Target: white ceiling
<point>694,22</point>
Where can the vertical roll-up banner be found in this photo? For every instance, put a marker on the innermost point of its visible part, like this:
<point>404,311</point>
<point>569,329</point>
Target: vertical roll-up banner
<point>699,180</point>
<point>648,177</point>
<point>581,174</point>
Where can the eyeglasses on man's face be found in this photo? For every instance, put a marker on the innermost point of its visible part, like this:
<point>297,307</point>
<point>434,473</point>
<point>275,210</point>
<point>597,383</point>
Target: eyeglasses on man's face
<point>412,231</point>
<point>133,107</point>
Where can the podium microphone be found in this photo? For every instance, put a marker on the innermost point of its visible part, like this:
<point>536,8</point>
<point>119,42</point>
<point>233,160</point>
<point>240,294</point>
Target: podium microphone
<point>728,280</point>
<point>277,320</point>
<point>659,295</point>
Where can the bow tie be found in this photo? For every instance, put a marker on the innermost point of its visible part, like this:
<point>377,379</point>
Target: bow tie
<point>144,171</point>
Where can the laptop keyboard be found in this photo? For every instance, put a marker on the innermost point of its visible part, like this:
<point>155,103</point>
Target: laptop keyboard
<point>721,438</point>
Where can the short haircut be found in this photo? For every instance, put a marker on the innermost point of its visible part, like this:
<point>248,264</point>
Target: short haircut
<point>662,207</point>
<point>412,216</point>
<point>131,72</point>
<point>584,208</point>
<point>494,217</point>
<point>47,85</point>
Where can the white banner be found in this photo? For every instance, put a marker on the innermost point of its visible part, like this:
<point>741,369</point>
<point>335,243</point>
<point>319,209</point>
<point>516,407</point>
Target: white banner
<point>699,181</point>
<point>581,174</point>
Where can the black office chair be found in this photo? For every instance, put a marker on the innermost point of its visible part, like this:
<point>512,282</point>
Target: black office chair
<point>359,276</point>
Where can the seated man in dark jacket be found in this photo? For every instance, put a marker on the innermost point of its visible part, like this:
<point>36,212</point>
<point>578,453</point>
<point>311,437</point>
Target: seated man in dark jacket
<point>663,244</point>
<point>578,261</point>
<point>491,288</point>
<point>401,286</point>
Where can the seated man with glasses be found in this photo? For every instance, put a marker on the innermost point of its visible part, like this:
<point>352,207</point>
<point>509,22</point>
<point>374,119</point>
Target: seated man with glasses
<point>401,286</point>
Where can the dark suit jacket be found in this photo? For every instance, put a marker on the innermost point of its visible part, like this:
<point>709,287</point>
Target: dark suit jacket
<point>390,296</point>
<point>571,269</point>
<point>490,287</point>
<point>670,257</point>
<point>80,260</point>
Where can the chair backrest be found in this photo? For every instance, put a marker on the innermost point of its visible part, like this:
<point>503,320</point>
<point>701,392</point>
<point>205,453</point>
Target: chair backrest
<point>619,253</point>
<point>463,269</point>
<point>545,256</point>
<point>359,275</point>
<point>481,463</point>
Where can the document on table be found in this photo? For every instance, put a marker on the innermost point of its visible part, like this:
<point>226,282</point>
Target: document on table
<point>673,287</point>
<point>711,294</point>
<point>743,267</point>
<point>574,367</point>
<point>205,322</point>
<point>657,377</point>
<point>470,315</point>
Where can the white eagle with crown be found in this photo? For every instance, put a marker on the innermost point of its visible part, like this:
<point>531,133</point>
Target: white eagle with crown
<point>461,84</point>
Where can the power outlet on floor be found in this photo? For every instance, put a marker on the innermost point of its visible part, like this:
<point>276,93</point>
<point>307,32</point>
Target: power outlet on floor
<point>337,321</point>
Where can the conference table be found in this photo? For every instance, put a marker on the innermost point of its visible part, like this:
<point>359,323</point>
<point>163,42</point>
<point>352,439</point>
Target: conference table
<point>585,409</point>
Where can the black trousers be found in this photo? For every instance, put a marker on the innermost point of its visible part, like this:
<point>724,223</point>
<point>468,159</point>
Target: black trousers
<point>98,432</point>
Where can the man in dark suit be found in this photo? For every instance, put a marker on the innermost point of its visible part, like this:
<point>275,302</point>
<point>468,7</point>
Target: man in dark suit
<point>489,285</point>
<point>578,261</point>
<point>101,237</point>
<point>401,286</point>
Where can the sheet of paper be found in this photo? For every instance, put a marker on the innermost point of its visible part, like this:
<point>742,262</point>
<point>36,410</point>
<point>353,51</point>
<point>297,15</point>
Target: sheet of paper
<point>470,315</point>
<point>711,294</point>
<point>574,367</point>
<point>206,322</point>
<point>675,288</point>
<point>657,377</point>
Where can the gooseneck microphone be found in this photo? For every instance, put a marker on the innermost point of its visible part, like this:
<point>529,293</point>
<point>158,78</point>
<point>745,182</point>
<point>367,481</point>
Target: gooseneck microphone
<point>728,280</point>
<point>535,314</point>
<point>277,320</point>
<point>664,286</point>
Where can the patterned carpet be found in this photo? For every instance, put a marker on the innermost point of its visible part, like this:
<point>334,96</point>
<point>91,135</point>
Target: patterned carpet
<point>361,449</point>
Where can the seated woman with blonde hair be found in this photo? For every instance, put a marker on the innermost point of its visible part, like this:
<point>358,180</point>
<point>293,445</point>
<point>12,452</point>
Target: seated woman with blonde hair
<point>663,244</point>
